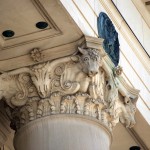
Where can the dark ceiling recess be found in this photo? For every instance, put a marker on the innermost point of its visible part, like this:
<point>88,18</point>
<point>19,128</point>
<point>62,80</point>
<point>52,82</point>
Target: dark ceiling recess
<point>8,33</point>
<point>41,25</point>
<point>135,148</point>
<point>147,3</point>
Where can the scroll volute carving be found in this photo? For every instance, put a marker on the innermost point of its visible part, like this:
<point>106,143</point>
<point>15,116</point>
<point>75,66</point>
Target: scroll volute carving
<point>16,88</point>
<point>78,84</point>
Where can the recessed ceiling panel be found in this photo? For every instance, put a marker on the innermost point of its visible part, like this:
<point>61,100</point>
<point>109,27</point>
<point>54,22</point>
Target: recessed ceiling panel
<point>29,24</point>
<point>22,17</point>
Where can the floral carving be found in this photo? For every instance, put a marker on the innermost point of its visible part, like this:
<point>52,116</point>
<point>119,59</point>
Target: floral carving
<point>118,71</point>
<point>78,84</point>
<point>55,102</point>
<point>68,104</point>
<point>37,55</point>
<point>80,102</point>
<point>59,70</point>
<point>90,108</point>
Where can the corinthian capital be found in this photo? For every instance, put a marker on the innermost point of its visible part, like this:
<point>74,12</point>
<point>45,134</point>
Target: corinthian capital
<point>81,84</point>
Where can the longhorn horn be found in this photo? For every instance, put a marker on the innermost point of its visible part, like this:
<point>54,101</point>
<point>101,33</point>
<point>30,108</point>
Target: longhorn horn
<point>82,51</point>
<point>18,71</point>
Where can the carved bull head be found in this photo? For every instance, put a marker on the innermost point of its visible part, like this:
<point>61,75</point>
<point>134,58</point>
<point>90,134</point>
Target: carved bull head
<point>129,112</point>
<point>41,80</point>
<point>90,61</point>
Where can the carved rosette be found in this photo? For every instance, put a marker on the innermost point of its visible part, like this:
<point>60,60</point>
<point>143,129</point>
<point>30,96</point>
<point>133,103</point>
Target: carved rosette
<point>36,55</point>
<point>79,84</point>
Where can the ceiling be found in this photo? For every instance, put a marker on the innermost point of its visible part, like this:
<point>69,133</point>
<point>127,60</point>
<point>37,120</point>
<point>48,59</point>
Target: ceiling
<point>22,19</point>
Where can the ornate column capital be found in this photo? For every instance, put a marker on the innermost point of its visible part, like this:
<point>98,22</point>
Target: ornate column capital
<point>86,83</point>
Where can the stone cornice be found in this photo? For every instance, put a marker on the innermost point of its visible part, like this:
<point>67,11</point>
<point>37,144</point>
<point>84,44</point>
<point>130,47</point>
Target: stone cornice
<point>49,54</point>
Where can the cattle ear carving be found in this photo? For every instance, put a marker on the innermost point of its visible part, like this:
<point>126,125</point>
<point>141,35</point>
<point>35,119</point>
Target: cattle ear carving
<point>82,51</point>
<point>75,58</point>
<point>134,100</point>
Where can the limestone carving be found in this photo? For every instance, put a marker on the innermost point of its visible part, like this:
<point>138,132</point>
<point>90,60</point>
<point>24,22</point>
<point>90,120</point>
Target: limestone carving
<point>124,112</point>
<point>111,94</point>
<point>127,113</point>
<point>78,84</point>
<point>40,76</point>
<point>15,88</point>
<point>55,102</point>
<point>68,105</point>
<point>37,55</point>
<point>90,108</point>
<point>117,71</point>
<point>79,74</point>
<point>80,102</point>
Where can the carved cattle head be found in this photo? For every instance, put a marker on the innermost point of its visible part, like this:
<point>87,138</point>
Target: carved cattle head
<point>129,112</point>
<point>90,61</point>
<point>41,80</point>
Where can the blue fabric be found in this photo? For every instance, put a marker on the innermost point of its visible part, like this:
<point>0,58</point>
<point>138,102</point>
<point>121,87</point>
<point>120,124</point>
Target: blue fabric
<point>106,30</point>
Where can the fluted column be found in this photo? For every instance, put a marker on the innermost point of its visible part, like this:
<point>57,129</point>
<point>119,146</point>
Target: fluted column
<point>63,132</point>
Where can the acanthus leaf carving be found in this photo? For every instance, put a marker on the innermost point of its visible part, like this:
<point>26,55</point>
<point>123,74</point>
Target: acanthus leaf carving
<point>68,105</point>
<point>90,107</point>
<point>37,55</point>
<point>55,102</point>
<point>78,84</point>
<point>23,83</point>
<point>80,102</point>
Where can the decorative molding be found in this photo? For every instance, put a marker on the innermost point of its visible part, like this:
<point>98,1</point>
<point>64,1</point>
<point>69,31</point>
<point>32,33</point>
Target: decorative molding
<point>49,54</point>
<point>127,33</point>
<point>143,11</point>
<point>118,71</point>
<point>45,14</point>
<point>51,42</point>
<point>94,31</point>
<point>83,83</point>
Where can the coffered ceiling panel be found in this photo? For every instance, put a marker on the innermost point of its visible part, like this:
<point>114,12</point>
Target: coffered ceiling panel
<point>22,17</point>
